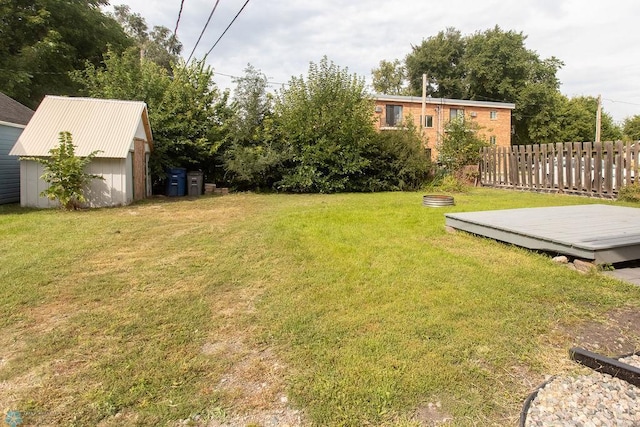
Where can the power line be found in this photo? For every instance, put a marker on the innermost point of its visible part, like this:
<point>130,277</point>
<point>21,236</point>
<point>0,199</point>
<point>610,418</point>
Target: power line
<point>228,26</point>
<point>203,30</point>
<point>620,102</point>
<point>175,31</point>
<point>174,37</point>
<point>271,82</point>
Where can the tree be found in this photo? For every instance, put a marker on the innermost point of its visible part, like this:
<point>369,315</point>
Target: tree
<point>493,65</point>
<point>578,121</point>
<point>39,46</point>
<point>160,45</point>
<point>186,110</point>
<point>631,127</point>
<point>253,153</point>
<point>326,125</point>
<point>440,57</point>
<point>64,172</point>
<point>460,145</point>
<point>390,78</point>
<point>500,68</point>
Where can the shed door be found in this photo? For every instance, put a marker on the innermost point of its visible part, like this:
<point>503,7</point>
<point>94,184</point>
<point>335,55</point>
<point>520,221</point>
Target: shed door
<point>139,170</point>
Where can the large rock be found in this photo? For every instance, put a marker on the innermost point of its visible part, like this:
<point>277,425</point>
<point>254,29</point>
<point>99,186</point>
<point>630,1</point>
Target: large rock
<point>584,266</point>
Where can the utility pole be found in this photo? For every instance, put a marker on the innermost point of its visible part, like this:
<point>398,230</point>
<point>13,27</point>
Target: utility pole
<point>598,118</point>
<point>424,100</point>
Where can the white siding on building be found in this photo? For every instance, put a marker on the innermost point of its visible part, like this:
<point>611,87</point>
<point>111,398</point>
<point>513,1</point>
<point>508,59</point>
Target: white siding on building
<point>31,185</point>
<point>112,191</point>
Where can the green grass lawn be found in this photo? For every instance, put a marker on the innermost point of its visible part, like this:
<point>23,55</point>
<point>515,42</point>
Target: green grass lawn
<point>359,308</point>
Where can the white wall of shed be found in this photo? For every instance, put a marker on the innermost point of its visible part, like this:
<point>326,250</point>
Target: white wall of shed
<point>31,186</point>
<point>116,188</point>
<point>113,190</point>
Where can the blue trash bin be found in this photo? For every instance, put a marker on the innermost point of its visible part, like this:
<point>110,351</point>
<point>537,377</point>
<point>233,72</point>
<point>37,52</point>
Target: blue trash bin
<point>176,182</point>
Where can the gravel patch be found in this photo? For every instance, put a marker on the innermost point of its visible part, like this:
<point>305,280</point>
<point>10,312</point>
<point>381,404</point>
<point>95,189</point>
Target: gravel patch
<point>587,401</point>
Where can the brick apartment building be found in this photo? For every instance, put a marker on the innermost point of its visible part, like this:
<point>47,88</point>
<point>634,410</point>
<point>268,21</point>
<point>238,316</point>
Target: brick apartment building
<point>494,118</point>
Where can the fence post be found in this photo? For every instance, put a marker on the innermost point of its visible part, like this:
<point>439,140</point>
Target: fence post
<point>589,167</point>
<point>608,167</point>
<point>559,167</point>
<point>536,165</point>
<point>619,166</point>
<point>568,166</point>
<point>627,164</point>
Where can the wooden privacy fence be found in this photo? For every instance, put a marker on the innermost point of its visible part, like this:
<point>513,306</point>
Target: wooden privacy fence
<point>596,169</point>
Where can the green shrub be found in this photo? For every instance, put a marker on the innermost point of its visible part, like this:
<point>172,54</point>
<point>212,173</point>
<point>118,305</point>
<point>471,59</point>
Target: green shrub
<point>397,161</point>
<point>460,145</point>
<point>630,193</point>
<point>64,172</point>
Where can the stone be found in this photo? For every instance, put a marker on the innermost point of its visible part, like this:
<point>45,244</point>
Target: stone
<point>584,266</point>
<point>560,259</point>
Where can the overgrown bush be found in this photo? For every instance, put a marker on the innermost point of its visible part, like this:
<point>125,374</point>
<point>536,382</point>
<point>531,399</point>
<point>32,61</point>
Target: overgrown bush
<point>630,193</point>
<point>397,161</point>
<point>326,125</point>
<point>64,172</point>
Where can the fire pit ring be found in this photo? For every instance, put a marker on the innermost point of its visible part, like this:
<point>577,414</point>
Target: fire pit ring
<point>437,200</point>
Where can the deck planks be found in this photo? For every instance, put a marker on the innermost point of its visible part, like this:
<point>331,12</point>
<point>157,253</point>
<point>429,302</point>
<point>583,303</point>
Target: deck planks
<point>603,233</point>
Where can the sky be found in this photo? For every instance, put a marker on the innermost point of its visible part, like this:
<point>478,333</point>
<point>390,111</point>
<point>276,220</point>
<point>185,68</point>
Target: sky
<point>598,41</point>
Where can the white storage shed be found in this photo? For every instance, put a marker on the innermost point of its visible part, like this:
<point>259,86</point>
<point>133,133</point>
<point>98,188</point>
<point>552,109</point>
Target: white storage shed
<point>120,130</point>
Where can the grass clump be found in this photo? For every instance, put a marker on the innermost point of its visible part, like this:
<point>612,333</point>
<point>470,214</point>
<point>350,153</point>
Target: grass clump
<point>630,193</point>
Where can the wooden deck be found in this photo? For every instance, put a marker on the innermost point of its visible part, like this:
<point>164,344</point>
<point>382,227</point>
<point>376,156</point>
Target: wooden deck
<point>606,234</point>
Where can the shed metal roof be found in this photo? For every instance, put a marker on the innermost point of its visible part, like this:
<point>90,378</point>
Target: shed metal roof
<point>106,125</point>
<point>444,101</point>
<point>11,111</point>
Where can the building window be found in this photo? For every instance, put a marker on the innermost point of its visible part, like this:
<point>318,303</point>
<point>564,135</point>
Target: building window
<point>456,112</point>
<point>493,115</point>
<point>394,115</point>
<point>492,140</point>
<point>428,121</point>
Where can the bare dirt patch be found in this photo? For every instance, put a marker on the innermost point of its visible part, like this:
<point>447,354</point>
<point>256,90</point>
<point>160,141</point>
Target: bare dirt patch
<point>255,385</point>
<point>431,414</point>
<point>616,334</point>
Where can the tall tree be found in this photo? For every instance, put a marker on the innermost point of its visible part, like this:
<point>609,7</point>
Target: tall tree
<point>187,111</point>
<point>159,45</point>
<point>390,78</point>
<point>578,121</point>
<point>42,40</point>
<point>493,65</point>
<point>440,57</point>
<point>326,123</point>
<point>253,153</point>
<point>501,68</point>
